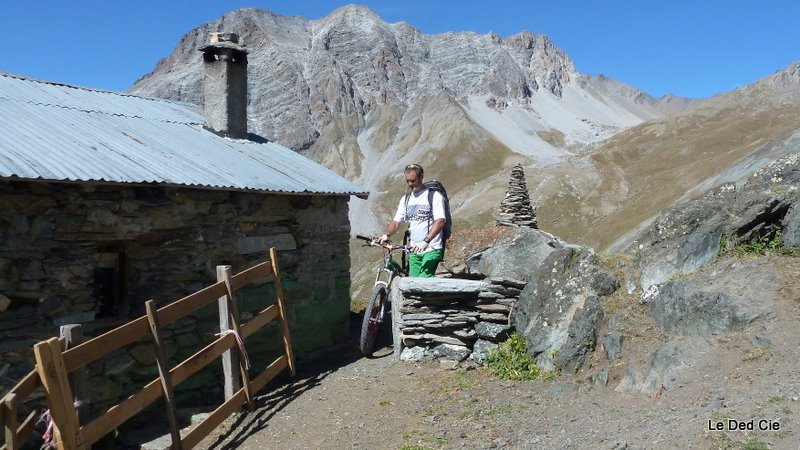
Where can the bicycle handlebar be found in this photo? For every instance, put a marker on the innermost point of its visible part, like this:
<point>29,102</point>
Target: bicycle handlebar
<point>373,242</point>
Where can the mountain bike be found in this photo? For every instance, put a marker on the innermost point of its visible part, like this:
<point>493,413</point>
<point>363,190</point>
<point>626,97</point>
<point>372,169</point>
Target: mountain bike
<point>378,297</point>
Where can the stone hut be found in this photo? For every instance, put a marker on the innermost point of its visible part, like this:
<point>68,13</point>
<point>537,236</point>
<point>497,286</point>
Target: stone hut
<point>108,200</point>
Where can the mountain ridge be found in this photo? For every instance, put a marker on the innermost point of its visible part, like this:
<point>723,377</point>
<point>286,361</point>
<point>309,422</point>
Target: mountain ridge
<point>412,64</point>
<point>365,97</point>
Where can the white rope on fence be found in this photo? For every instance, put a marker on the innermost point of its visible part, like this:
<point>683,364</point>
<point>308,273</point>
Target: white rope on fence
<point>240,343</point>
<point>48,437</point>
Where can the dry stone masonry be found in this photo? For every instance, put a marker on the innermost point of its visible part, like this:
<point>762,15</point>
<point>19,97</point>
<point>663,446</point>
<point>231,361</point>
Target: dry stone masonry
<point>92,255</point>
<point>516,209</point>
<point>451,319</point>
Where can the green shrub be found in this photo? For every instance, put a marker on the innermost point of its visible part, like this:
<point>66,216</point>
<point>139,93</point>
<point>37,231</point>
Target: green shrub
<point>755,444</point>
<point>769,244</point>
<point>509,361</point>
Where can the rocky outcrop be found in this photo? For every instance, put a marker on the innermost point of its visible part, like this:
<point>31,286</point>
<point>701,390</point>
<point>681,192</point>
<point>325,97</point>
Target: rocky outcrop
<point>559,311</point>
<point>728,297</point>
<point>684,239</point>
<point>693,289</point>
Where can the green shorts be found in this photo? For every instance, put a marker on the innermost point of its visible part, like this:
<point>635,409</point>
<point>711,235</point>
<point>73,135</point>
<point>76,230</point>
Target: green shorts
<point>424,264</point>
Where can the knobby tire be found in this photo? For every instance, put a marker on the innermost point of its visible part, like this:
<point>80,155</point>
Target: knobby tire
<point>371,325</point>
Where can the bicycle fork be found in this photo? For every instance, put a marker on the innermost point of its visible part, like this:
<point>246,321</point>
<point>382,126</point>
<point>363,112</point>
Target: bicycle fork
<point>378,319</point>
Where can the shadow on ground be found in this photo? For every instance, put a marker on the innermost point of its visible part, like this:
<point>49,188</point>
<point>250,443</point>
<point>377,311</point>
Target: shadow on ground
<point>284,389</point>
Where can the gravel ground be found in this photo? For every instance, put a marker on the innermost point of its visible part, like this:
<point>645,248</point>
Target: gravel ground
<point>380,403</point>
<point>350,402</point>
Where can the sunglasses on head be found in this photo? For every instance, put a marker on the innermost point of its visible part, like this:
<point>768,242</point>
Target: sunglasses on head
<point>413,167</point>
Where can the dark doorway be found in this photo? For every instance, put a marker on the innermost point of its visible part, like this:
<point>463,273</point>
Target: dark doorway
<point>109,283</point>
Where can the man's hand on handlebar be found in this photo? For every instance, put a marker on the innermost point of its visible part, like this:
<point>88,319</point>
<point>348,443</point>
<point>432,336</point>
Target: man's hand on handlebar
<point>384,242</point>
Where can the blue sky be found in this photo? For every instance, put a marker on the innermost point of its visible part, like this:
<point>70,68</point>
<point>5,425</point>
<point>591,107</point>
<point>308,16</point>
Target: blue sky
<point>688,48</point>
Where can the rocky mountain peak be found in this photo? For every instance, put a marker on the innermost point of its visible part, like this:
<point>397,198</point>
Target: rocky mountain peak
<point>525,40</point>
<point>350,20</point>
<point>546,64</point>
<point>787,80</point>
<point>351,61</point>
<point>353,13</point>
<point>362,96</point>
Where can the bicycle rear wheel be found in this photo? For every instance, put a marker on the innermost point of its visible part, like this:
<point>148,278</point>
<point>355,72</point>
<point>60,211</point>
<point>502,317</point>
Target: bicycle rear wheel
<point>373,317</point>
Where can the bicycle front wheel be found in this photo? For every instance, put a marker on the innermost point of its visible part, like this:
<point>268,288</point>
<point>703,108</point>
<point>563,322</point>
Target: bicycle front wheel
<point>373,317</point>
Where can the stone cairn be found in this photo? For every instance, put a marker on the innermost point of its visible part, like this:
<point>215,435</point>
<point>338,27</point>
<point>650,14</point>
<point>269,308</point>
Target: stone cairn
<point>451,319</point>
<point>516,209</point>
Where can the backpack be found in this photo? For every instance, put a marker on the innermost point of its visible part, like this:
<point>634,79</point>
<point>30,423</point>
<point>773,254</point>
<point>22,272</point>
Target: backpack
<point>437,186</point>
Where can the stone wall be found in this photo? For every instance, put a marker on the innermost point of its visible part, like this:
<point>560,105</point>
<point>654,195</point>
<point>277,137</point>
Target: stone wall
<point>451,319</point>
<point>63,247</point>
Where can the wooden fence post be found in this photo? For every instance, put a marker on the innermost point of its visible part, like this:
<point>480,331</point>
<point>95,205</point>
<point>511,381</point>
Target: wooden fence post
<point>230,359</point>
<point>72,335</point>
<point>163,373</point>
<point>53,373</point>
<point>287,342</point>
<point>233,311</point>
<point>8,411</point>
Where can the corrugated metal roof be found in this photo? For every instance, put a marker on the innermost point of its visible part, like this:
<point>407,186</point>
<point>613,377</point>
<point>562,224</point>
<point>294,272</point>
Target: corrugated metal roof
<point>58,132</point>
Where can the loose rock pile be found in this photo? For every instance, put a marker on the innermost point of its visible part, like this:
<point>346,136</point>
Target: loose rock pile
<point>451,319</point>
<point>516,209</point>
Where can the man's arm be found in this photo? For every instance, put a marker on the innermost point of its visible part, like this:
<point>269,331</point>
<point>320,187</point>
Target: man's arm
<point>436,228</point>
<point>392,228</point>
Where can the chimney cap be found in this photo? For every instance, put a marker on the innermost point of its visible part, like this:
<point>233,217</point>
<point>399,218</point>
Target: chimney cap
<point>223,37</point>
<point>220,40</point>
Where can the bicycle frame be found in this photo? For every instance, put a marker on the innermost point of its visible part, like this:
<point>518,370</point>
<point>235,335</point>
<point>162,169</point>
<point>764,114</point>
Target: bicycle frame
<point>390,268</point>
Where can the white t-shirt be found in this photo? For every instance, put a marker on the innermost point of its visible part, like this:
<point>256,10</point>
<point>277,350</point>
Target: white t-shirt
<point>419,216</point>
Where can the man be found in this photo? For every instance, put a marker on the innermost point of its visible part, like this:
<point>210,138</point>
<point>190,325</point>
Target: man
<point>425,224</point>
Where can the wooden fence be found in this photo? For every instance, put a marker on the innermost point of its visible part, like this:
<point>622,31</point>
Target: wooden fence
<point>54,366</point>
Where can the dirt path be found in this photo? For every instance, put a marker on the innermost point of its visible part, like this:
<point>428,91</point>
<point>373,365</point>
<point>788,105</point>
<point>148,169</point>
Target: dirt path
<point>350,402</point>
<point>379,403</point>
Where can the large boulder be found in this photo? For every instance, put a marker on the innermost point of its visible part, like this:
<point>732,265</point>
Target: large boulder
<point>559,311</point>
<point>515,255</point>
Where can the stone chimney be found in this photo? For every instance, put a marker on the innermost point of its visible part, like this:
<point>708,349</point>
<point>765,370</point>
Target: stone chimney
<point>225,85</point>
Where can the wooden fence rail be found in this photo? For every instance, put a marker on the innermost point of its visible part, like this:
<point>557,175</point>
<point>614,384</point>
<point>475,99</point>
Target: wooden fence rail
<point>54,366</point>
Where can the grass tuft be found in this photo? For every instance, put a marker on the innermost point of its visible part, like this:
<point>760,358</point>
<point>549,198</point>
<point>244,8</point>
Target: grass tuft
<point>509,360</point>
